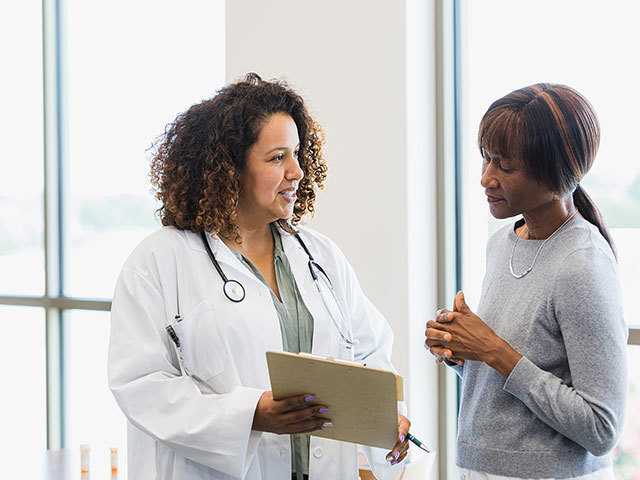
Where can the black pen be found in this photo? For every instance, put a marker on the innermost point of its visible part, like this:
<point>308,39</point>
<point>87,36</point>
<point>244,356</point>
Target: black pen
<point>417,442</point>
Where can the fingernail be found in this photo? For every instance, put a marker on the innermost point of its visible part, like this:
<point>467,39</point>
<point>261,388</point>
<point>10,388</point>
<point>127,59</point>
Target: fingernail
<point>447,338</point>
<point>323,410</point>
<point>309,398</point>
<point>327,425</point>
<point>401,438</point>
<point>389,457</point>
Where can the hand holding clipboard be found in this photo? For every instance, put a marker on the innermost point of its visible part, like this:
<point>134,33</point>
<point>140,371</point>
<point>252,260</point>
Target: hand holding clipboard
<point>362,401</point>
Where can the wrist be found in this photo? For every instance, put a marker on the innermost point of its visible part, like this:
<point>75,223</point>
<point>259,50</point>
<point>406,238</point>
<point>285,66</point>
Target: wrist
<point>503,358</point>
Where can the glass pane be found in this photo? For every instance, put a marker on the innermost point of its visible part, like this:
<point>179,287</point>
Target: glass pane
<point>628,450</point>
<point>21,137</point>
<point>495,66</point>
<point>122,91</point>
<point>23,415</point>
<point>91,413</point>
<point>582,45</point>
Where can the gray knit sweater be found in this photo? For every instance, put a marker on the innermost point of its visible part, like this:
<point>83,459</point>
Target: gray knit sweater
<point>560,411</point>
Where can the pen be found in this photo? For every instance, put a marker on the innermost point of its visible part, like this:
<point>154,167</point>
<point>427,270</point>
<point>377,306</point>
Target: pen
<point>417,442</point>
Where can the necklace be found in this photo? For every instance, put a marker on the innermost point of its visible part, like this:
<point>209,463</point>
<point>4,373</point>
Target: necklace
<point>520,275</point>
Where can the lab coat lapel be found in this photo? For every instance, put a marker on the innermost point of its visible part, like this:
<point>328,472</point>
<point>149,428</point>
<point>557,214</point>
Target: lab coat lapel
<point>231,265</point>
<point>255,311</point>
<point>324,341</point>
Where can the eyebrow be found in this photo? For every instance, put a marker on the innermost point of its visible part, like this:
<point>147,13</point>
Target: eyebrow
<point>497,157</point>
<point>281,148</point>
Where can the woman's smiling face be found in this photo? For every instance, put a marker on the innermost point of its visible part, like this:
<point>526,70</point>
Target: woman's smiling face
<point>270,179</point>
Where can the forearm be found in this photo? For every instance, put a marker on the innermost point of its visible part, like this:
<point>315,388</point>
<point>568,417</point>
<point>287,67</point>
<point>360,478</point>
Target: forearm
<point>502,357</point>
<point>590,421</point>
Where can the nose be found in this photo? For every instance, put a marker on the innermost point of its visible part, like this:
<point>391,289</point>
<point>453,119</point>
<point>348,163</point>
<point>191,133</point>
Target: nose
<point>294,171</point>
<point>488,178</point>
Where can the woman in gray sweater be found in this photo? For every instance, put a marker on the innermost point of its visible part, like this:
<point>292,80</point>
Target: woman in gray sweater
<point>543,362</point>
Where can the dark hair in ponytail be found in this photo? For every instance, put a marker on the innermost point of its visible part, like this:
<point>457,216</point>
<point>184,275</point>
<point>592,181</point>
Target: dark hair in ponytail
<point>554,130</point>
<point>590,212</point>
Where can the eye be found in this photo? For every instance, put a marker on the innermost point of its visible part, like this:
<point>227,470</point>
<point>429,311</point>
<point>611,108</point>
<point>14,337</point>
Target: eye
<point>278,157</point>
<point>505,169</point>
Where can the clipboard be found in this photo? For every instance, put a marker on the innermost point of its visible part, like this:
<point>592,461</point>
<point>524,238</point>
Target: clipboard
<point>362,401</point>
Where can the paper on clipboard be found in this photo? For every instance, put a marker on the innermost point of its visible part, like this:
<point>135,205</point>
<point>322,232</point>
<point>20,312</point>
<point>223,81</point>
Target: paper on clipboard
<point>362,401</point>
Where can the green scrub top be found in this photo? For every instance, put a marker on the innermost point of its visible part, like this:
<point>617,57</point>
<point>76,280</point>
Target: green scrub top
<point>296,326</point>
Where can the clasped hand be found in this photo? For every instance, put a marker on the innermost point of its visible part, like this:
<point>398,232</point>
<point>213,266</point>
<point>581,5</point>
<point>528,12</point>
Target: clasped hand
<point>460,335</point>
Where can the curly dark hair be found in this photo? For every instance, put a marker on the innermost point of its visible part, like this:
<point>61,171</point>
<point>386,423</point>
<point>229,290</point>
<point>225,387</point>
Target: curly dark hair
<point>197,162</point>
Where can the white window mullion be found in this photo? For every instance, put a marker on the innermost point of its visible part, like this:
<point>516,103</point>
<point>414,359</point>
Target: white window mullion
<point>448,213</point>
<point>52,220</point>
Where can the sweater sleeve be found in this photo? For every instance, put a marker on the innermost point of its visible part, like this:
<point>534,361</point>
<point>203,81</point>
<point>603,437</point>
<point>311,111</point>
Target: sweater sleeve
<point>587,305</point>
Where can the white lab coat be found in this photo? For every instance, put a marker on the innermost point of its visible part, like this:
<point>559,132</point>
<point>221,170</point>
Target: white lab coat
<point>198,425</point>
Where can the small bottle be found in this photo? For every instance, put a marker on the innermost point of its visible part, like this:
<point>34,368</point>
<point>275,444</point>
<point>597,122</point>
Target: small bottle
<point>114,462</point>
<point>85,458</point>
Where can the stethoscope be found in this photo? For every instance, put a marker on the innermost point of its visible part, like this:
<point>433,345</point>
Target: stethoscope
<point>235,291</point>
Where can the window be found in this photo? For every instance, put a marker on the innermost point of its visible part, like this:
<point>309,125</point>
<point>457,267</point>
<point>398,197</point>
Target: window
<point>91,87</point>
<point>507,45</point>
<point>122,90</point>
<point>21,135</point>
<point>92,414</point>
<point>24,399</point>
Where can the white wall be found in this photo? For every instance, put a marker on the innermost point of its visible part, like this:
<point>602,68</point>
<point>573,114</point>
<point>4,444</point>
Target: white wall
<point>367,71</point>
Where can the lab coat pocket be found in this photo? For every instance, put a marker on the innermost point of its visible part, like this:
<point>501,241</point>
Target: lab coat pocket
<point>201,347</point>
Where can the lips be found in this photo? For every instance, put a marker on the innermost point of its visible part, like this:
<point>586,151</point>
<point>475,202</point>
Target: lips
<point>493,198</point>
<point>289,194</point>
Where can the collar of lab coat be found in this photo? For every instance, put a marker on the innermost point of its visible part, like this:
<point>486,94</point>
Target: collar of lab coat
<point>224,254</point>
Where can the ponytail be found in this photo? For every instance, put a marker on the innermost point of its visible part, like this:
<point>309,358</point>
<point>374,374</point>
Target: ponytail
<point>590,212</point>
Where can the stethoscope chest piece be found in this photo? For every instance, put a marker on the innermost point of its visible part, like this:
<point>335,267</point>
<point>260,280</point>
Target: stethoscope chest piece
<point>233,290</point>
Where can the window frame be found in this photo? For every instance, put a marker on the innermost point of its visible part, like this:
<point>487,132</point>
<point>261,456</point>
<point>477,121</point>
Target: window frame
<point>54,302</point>
<point>449,214</point>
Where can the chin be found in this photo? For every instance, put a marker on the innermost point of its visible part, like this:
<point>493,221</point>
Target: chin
<point>501,213</point>
<point>283,215</point>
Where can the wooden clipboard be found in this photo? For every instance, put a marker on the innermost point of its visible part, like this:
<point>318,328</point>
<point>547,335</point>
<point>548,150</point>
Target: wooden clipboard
<point>362,401</point>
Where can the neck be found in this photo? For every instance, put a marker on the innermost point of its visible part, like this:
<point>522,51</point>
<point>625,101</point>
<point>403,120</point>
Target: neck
<point>255,235</point>
<point>542,221</point>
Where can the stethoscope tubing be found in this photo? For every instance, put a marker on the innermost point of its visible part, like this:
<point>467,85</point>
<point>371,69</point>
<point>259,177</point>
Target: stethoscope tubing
<point>230,284</point>
<point>347,339</point>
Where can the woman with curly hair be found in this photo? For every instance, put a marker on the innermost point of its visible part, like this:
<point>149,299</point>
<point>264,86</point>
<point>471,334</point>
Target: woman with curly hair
<point>230,276</point>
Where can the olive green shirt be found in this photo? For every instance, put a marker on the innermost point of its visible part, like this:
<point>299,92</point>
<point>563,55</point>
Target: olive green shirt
<point>296,325</point>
